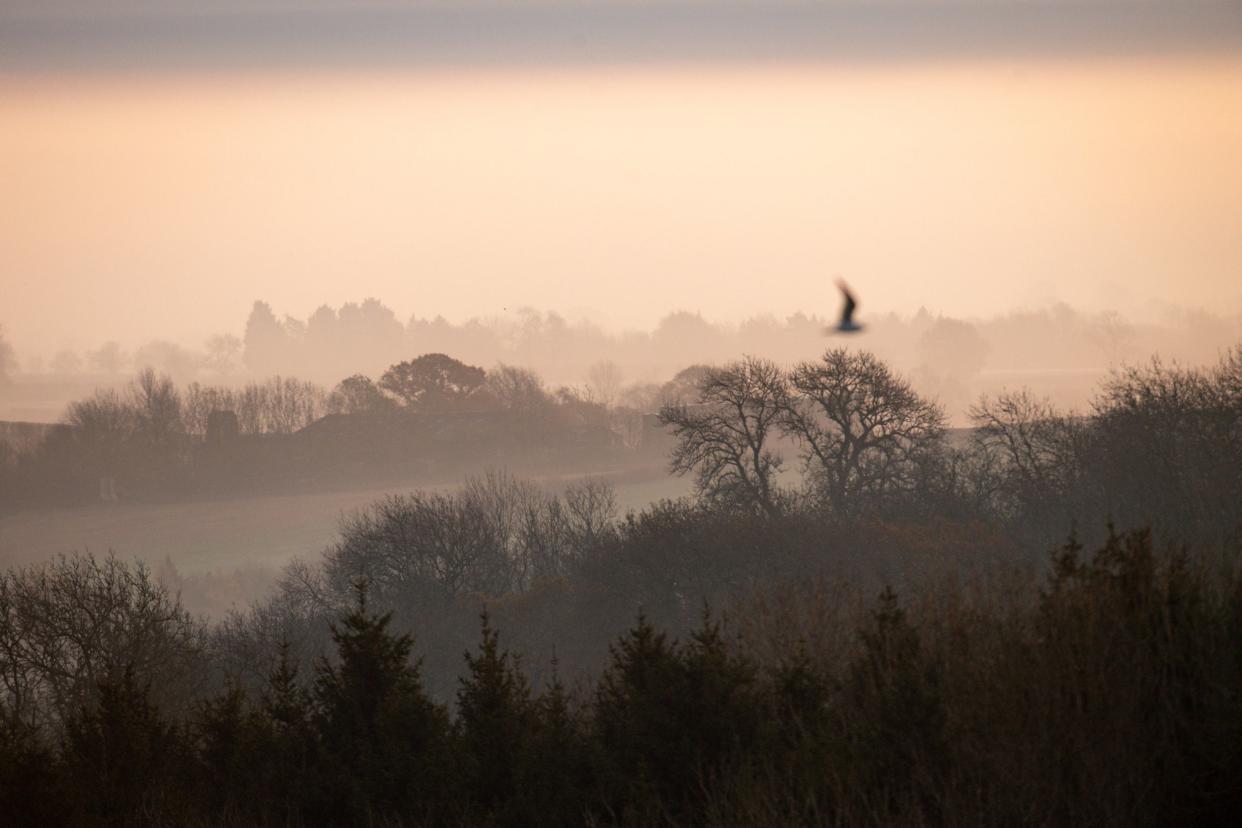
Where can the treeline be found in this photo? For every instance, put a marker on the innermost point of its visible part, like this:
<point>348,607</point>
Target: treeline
<point>944,354</point>
<point>987,684</point>
<point>1161,445</point>
<point>1111,694</point>
<point>431,413</point>
<point>564,573</point>
<point>145,437</point>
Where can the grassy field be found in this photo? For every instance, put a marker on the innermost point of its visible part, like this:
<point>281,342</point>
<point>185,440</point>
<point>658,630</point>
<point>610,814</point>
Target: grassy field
<point>225,552</point>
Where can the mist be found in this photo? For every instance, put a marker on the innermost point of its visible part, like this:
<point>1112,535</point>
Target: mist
<point>624,413</point>
<point>170,202</point>
<point>1057,350</point>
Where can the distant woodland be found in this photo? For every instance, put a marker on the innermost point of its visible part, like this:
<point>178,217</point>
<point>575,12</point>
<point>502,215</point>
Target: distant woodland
<point>860,618</point>
<point>430,418</point>
<point>1056,351</point>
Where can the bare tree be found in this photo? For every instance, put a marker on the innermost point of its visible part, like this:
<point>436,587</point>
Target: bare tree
<point>495,535</point>
<point>65,626</point>
<point>1227,378</point>
<point>407,543</point>
<point>501,501</point>
<point>102,427</point>
<point>1034,445</point>
<point>1033,457</point>
<point>604,382</point>
<point>546,540</point>
<point>101,418</point>
<point>1161,447</point>
<point>291,404</point>
<point>516,389</point>
<point>198,403</point>
<point>626,424</point>
<point>591,505</point>
<point>157,408</point>
<point>1112,335</point>
<point>725,437</point>
<point>278,405</point>
<point>250,404</point>
<point>1166,445</point>
<point>861,428</point>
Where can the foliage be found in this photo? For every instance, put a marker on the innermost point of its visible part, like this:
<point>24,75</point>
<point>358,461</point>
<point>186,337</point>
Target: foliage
<point>385,741</point>
<point>264,342</point>
<point>432,382</point>
<point>893,732</point>
<point>356,394</point>
<point>1108,695</point>
<point>495,724</point>
<point>1162,446</point>
<point>517,389</point>
<point>1103,688</point>
<point>125,758</point>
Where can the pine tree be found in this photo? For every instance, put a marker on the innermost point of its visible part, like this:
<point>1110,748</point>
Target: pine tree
<point>801,748</point>
<point>494,721</point>
<point>284,700</point>
<point>232,753</point>
<point>556,778</point>
<point>895,730</point>
<point>30,780</point>
<point>645,756</point>
<point>725,714</point>
<point>385,740</point>
<point>125,760</point>
<point>290,782</point>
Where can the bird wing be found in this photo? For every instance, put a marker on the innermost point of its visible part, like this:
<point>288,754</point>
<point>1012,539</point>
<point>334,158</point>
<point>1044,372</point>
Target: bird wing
<point>847,313</point>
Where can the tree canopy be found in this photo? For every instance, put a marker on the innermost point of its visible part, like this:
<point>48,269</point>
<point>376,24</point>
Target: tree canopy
<point>432,381</point>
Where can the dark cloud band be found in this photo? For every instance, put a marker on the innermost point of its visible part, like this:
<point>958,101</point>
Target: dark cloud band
<point>325,35</point>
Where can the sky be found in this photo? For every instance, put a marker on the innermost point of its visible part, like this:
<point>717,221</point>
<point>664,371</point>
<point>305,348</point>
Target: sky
<point>162,169</point>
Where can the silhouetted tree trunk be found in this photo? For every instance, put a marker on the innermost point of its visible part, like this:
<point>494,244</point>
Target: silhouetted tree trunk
<point>724,438</point>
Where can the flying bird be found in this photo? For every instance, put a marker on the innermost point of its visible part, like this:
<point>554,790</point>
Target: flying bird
<point>847,323</point>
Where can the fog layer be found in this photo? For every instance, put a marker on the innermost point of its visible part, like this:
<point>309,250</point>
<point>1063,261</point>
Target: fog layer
<point>162,205</point>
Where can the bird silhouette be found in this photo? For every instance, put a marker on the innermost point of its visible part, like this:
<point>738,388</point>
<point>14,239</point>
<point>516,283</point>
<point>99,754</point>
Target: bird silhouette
<point>847,324</point>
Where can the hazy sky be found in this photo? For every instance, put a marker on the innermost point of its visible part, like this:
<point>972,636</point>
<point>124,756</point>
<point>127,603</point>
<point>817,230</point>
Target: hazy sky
<point>161,172</point>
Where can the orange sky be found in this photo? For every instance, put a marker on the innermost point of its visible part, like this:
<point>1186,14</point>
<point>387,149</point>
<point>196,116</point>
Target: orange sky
<point>142,207</point>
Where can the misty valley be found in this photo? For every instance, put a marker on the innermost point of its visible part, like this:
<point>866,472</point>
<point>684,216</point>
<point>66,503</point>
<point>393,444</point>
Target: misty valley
<point>620,414</point>
<point>758,593</point>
